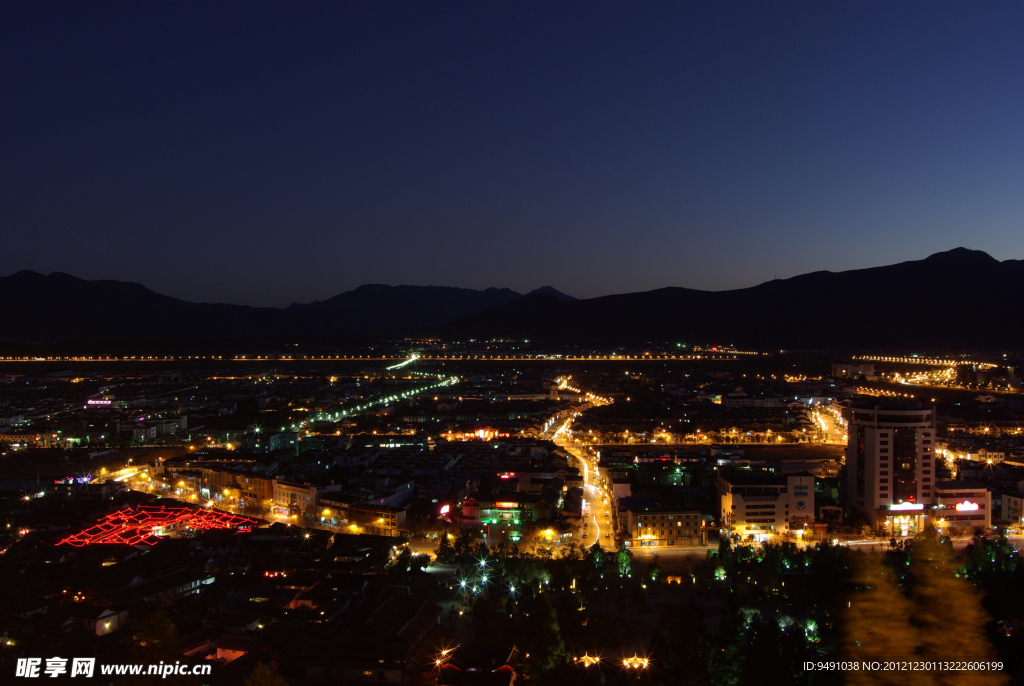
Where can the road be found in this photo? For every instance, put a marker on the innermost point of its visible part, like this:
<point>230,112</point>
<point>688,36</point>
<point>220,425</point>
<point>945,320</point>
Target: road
<point>597,510</point>
<point>828,424</point>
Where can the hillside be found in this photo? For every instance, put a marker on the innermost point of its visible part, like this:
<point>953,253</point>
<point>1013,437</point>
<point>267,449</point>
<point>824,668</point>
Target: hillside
<point>956,299</point>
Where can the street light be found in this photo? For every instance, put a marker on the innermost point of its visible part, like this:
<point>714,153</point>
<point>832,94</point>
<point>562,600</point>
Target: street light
<point>635,662</point>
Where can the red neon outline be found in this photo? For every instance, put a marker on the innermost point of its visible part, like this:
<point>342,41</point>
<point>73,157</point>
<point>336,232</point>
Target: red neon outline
<point>134,526</point>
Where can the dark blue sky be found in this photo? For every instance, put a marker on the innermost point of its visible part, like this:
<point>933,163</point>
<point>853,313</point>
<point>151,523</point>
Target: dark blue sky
<point>264,153</point>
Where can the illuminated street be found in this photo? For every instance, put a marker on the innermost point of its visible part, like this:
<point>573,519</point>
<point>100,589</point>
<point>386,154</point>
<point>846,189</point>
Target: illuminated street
<point>597,514</point>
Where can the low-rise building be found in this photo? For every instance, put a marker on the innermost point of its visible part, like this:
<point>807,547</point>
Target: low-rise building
<point>963,505</point>
<point>1012,509</point>
<point>239,488</point>
<point>379,520</point>
<point>643,523</point>
<point>957,506</point>
<point>294,499</point>
<point>757,506</point>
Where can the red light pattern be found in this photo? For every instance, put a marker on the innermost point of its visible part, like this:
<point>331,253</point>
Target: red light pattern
<point>135,525</point>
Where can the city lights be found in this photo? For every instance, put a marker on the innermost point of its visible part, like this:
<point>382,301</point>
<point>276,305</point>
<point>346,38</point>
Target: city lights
<point>635,662</point>
<point>135,525</point>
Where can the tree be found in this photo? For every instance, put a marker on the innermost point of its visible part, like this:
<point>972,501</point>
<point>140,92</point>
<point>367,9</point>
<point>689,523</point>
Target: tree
<point>727,653</point>
<point>654,569</point>
<point>465,544</point>
<point>724,545</point>
<point>681,640</point>
<point>542,641</point>
<point>417,563</point>
<point>948,611</point>
<point>624,560</point>
<point>262,676</point>
<point>158,642</point>
<point>572,552</point>
<point>445,551</point>
<point>774,655</point>
<point>637,598</point>
<point>878,624</point>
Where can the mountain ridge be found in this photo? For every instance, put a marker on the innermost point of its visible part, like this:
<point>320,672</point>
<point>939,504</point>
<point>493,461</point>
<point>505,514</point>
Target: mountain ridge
<point>945,300</point>
<point>60,307</point>
<point>557,294</point>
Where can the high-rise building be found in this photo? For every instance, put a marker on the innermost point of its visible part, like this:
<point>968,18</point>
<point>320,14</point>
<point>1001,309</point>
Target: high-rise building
<point>889,465</point>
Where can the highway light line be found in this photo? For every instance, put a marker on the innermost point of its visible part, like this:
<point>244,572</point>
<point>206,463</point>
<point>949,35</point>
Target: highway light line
<point>404,363</point>
<point>386,400</point>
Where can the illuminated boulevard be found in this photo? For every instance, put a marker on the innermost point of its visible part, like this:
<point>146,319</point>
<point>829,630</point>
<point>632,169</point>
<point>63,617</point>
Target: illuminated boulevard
<point>597,514</point>
<point>599,525</point>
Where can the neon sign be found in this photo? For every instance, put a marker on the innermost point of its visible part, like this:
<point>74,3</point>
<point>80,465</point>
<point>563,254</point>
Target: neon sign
<point>139,525</point>
<point>966,506</point>
<point>72,480</point>
<point>97,402</point>
<point>906,506</point>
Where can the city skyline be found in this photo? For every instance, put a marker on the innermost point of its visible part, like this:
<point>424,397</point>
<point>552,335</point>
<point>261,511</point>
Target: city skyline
<point>475,344</point>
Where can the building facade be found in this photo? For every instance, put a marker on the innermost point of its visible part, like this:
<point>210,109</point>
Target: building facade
<point>758,506</point>
<point>1012,509</point>
<point>654,526</point>
<point>236,488</point>
<point>294,499</point>
<point>961,505</point>
<point>889,462</point>
<point>847,370</point>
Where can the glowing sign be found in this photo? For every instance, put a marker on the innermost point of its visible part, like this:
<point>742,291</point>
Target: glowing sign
<point>966,506</point>
<point>445,509</point>
<point>506,505</point>
<point>97,402</point>
<point>72,480</point>
<point>906,506</point>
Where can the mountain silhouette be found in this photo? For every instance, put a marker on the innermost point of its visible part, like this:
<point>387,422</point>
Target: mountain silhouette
<point>556,294</point>
<point>959,299</point>
<point>59,307</point>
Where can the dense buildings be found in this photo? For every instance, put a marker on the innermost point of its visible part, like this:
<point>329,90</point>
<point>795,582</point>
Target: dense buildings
<point>581,486</point>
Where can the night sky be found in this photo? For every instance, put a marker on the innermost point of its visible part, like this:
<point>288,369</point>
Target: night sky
<point>266,153</point>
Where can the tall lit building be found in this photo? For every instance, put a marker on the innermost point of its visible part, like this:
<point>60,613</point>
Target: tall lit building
<point>889,465</point>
